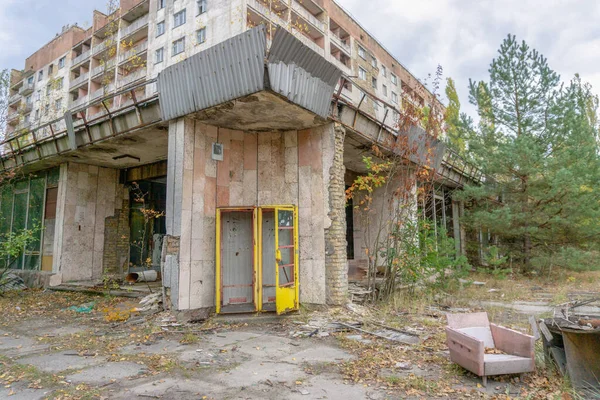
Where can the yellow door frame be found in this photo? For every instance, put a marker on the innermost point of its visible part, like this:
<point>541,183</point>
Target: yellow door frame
<point>286,298</point>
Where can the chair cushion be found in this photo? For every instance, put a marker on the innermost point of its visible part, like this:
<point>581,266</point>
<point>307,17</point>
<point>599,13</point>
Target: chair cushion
<point>499,364</point>
<point>481,333</point>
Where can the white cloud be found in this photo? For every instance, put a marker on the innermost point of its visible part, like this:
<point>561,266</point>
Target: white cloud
<point>464,35</point>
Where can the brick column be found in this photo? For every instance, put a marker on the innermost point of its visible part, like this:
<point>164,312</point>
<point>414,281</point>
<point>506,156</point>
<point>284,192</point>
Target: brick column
<point>336,262</point>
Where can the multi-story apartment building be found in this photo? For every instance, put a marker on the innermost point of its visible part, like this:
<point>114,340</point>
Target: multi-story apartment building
<point>143,37</point>
<point>230,116</point>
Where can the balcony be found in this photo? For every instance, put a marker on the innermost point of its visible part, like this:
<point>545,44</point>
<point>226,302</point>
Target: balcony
<point>266,13</point>
<point>345,69</point>
<point>135,51</point>
<point>307,41</point>
<point>82,57</point>
<point>102,69</point>
<point>79,102</point>
<point>13,117</point>
<point>103,91</point>
<point>27,108</point>
<point>26,89</point>
<point>305,14</point>
<point>134,27</point>
<point>83,78</point>
<point>23,126</point>
<point>14,98</point>
<point>341,44</point>
<point>132,77</point>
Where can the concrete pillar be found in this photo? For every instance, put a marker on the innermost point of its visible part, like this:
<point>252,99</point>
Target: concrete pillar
<point>336,263</point>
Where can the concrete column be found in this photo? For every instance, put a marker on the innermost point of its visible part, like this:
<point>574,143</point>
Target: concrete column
<point>336,263</point>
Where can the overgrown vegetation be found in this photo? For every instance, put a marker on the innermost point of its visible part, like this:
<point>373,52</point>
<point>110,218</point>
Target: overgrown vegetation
<point>536,142</point>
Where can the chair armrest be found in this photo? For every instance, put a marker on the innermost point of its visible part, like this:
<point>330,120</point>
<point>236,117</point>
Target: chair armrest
<point>465,350</point>
<point>513,342</point>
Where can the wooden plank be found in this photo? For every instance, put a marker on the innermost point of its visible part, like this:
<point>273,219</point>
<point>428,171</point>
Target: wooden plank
<point>546,331</point>
<point>534,328</point>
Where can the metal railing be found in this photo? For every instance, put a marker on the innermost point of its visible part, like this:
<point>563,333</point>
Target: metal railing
<point>134,26</point>
<point>304,13</point>
<point>265,12</point>
<point>24,147</point>
<point>132,77</point>
<point>140,48</point>
<point>79,80</point>
<point>82,57</point>
<point>340,43</point>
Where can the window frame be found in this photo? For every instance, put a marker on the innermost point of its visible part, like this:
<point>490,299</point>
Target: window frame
<point>160,51</point>
<point>203,29</point>
<point>362,52</point>
<point>61,62</point>
<point>161,4</point>
<point>362,73</point>
<point>202,6</point>
<point>394,79</point>
<point>160,24</point>
<point>182,40</point>
<point>181,12</point>
<point>395,98</point>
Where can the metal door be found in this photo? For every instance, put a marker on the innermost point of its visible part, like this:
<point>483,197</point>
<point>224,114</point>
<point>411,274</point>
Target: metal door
<point>236,266</point>
<point>286,259</point>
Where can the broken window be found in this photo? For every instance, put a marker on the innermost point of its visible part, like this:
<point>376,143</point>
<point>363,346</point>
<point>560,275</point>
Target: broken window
<point>22,206</point>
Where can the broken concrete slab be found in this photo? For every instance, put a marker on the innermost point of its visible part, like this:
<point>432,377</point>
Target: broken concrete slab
<point>318,354</point>
<point>57,362</point>
<point>157,347</point>
<point>104,373</point>
<point>223,339</point>
<point>20,391</point>
<point>359,338</point>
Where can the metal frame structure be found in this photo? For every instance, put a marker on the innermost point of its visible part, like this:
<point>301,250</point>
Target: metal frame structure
<point>286,295</point>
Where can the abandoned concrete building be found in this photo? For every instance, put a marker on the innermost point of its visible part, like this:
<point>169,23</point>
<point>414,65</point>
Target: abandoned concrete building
<point>239,123</point>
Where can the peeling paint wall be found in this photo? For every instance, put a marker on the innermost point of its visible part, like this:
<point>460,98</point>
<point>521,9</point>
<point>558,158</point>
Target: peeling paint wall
<point>258,168</point>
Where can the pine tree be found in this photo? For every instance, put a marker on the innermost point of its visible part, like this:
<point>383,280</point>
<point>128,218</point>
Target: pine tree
<point>536,141</point>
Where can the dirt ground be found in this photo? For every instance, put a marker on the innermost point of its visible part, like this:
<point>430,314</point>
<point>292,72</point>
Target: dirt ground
<point>48,351</point>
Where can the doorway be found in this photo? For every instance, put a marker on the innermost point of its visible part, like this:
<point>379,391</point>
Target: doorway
<point>257,259</point>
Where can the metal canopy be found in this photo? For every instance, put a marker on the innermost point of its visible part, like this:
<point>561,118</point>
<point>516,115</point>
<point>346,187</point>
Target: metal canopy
<point>235,68</point>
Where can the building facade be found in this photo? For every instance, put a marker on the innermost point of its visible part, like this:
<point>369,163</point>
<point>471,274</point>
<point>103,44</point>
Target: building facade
<point>237,123</point>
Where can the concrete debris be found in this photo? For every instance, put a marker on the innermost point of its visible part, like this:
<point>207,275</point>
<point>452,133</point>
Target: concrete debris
<point>404,365</point>
<point>320,328</point>
<point>358,338</point>
<point>151,303</point>
<point>467,282</point>
<point>358,293</point>
<point>10,281</point>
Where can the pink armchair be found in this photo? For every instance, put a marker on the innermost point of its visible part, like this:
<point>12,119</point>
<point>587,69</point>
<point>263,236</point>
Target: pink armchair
<point>468,336</point>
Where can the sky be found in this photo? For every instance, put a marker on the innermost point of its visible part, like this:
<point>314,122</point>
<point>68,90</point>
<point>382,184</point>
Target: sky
<point>460,35</point>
